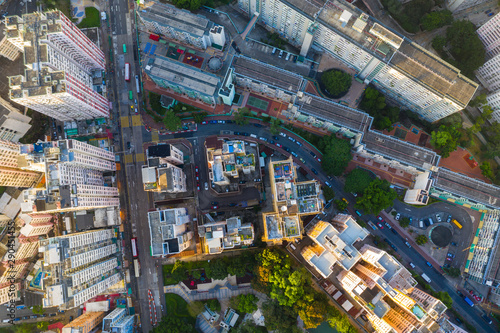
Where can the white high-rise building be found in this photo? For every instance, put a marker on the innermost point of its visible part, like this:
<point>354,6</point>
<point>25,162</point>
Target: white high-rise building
<point>36,225</point>
<point>489,34</point>
<point>13,124</point>
<point>82,266</point>
<point>60,61</point>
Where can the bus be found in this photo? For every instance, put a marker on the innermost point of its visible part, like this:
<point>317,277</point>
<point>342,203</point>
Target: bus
<point>130,95</point>
<point>426,278</point>
<point>127,71</point>
<point>124,48</point>
<point>134,247</point>
<point>455,222</point>
<point>137,84</point>
<point>137,268</point>
<point>468,301</point>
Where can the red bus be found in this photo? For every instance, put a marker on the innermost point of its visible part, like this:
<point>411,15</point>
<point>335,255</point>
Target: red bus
<point>134,247</point>
<point>127,71</point>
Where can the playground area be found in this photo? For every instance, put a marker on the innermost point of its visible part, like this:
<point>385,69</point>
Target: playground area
<point>193,60</point>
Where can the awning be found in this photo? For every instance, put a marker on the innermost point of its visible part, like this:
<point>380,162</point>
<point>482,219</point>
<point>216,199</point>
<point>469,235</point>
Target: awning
<point>172,44</point>
<point>182,48</point>
<point>191,51</point>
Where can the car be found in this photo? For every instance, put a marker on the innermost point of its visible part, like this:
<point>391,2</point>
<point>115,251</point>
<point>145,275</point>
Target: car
<point>394,247</point>
<point>358,212</point>
<point>411,220</point>
<point>449,218</point>
<point>257,180</point>
<point>278,145</point>
<point>43,315</point>
<point>197,178</point>
<point>486,12</point>
<point>52,314</point>
<point>242,181</point>
<point>431,222</point>
<point>213,121</point>
<point>291,139</point>
<point>312,65</point>
<point>232,204</point>
<point>295,58</point>
<point>206,186</point>
<point>398,215</point>
<point>458,320</point>
<point>214,203</point>
<point>237,133</point>
<point>196,169</point>
<point>319,160</point>
<point>312,154</point>
<point>215,207</point>
<point>70,318</point>
<point>327,184</point>
<point>491,14</point>
<point>300,144</point>
<point>221,122</point>
<point>26,317</point>
<point>275,137</point>
<point>287,57</point>
<point>229,121</point>
<point>203,122</point>
<point>263,139</point>
<point>257,125</point>
<point>17,319</point>
<point>387,225</point>
<point>302,160</point>
<point>408,244</point>
<point>428,264</point>
<point>380,225</point>
<point>364,317</point>
<point>380,218</point>
<point>448,258</point>
<point>272,142</point>
<point>314,171</point>
<point>287,149</point>
<point>274,51</point>
<point>281,54</point>
<point>412,265</point>
<point>451,255</point>
<point>394,232</point>
<point>454,244</point>
<point>135,101</point>
<point>294,154</point>
<point>438,218</point>
<point>345,200</point>
<point>245,134</point>
<point>354,194</point>
<point>426,222</point>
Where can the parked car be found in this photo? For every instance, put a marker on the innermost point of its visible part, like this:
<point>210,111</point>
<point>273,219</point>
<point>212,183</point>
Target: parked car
<point>214,203</point>
<point>52,314</point>
<point>287,149</point>
<point>300,144</point>
<point>203,122</point>
<point>222,122</point>
<point>398,215</point>
<point>213,121</point>
<point>408,244</point>
<point>206,186</point>
<point>281,54</point>
<point>263,139</point>
<point>380,218</point>
<point>428,264</point>
<point>312,154</point>
<point>328,184</point>
<point>272,142</point>
<point>291,139</point>
<point>412,265</point>
<point>278,145</point>
<point>257,125</point>
<point>302,160</point>
<point>237,133</point>
<point>387,225</point>
<point>451,255</point>
<point>438,217</point>
<point>294,154</point>
<point>380,225</point>
<point>454,244</point>
<point>283,134</point>
<point>314,171</point>
<point>242,181</point>
<point>449,219</point>
<point>275,137</point>
<point>394,232</point>
<point>215,207</point>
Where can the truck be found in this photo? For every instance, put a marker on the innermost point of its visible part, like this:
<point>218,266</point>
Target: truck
<point>468,301</point>
<point>137,268</point>
<point>426,278</point>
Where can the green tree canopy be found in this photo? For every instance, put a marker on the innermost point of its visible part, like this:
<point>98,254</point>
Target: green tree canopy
<point>376,197</point>
<point>465,46</point>
<point>486,170</point>
<point>213,304</point>
<point>374,103</point>
<point>341,205</point>
<point>421,239</point>
<point>172,324</point>
<point>478,100</point>
<point>240,118</point>
<point>217,269</point>
<point>279,317</point>
<point>445,139</point>
<point>404,222</point>
<point>357,181</point>
<point>245,303</point>
<point>340,322</point>
<point>171,121</point>
<point>328,193</point>
<point>436,19</point>
<point>38,309</point>
<point>275,126</point>
<point>192,5</point>
<point>249,327</point>
<point>336,155</point>
<point>336,82</point>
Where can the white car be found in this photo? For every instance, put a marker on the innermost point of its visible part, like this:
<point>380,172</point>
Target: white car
<point>283,134</point>
<point>206,186</point>
<point>398,215</point>
<point>438,218</point>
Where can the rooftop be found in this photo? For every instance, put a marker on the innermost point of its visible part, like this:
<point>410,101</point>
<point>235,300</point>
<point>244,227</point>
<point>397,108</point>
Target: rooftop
<point>159,151</point>
<point>168,15</point>
<point>333,112</point>
<point>183,75</point>
<point>406,153</point>
<point>268,74</point>
<point>467,187</point>
<point>308,7</point>
<point>165,226</point>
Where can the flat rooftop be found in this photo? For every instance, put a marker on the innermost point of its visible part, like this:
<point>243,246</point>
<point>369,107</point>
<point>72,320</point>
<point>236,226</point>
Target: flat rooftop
<point>183,75</point>
<point>399,150</point>
<point>390,265</point>
<point>268,74</point>
<point>467,187</point>
<point>335,113</point>
<point>273,227</point>
<point>306,7</point>
<point>168,15</point>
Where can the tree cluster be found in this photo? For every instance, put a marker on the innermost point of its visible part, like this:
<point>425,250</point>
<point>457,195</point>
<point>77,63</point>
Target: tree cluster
<point>172,324</point>
<point>446,139</point>
<point>404,222</point>
<point>192,5</point>
<point>436,19</point>
<point>376,197</point>
<point>245,303</point>
<point>375,105</point>
<point>357,181</point>
<point>336,83</point>
<point>341,205</point>
<point>328,193</point>
<point>336,154</point>
<point>240,118</point>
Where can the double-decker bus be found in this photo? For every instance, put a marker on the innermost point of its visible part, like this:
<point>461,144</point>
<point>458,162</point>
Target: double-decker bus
<point>134,247</point>
<point>124,48</point>
<point>127,71</point>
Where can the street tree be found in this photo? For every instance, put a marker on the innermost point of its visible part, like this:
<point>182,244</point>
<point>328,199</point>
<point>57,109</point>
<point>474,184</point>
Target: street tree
<point>275,126</point>
<point>341,205</point>
<point>336,155</point>
<point>171,121</point>
<point>240,118</point>
<point>421,240</point>
<point>376,197</point>
<point>404,222</point>
<point>172,324</point>
<point>357,181</point>
<point>445,139</point>
<point>38,309</point>
<point>486,170</point>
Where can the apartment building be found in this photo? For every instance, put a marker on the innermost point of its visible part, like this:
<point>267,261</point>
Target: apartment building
<point>489,34</point>
<point>74,176</point>
<point>36,225</point>
<point>10,205</point>
<point>334,244</point>
<point>406,72</point>
<point>181,25</point>
<point>161,173</point>
<point>226,159</point>
<point>118,321</point>
<point>10,293</point>
<point>462,5</point>
<point>169,231</point>
<point>11,173</point>
<point>60,85</point>
<point>84,323</point>
<point>27,248</point>
<point>386,290</point>
<point>13,124</point>
<point>228,234</point>
<point>8,49</point>
<point>291,200</point>
<point>81,266</point>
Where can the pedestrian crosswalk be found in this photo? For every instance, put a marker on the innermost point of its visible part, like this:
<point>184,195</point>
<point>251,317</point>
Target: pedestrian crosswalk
<point>124,122</point>
<point>128,158</point>
<point>136,120</point>
<point>139,157</point>
<point>154,136</point>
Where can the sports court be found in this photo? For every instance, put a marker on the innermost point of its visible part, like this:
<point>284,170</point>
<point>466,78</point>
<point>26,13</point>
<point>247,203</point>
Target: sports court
<point>257,103</point>
<point>173,53</point>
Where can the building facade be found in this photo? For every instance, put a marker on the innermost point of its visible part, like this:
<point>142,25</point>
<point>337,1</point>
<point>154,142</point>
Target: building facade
<point>84,323</point>
<point>13,124</point>
<point>8,49</point>
<point>36,225</point>
<point>409,74</point>
<point>489,34</point>
<point>11,173</point>
<point>10,293</point>
<point>60,85</point>
<point>118,321</point>
<point>86,264</point>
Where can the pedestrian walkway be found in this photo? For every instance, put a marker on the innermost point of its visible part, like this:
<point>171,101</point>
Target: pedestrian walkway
<point>220,292</point>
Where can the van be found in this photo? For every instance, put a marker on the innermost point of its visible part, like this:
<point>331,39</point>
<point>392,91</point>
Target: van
<point>287,57</point>
<point>253,136</point>
<point>421,224</point>
<point>5,320</point>
<point>274,51</point>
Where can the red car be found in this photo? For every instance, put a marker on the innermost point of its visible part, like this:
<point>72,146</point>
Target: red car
<point>278,145</point>
<point>380,225</point>
<point>198,187</point>
<point>380,218</point>
<point>196,169</point>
